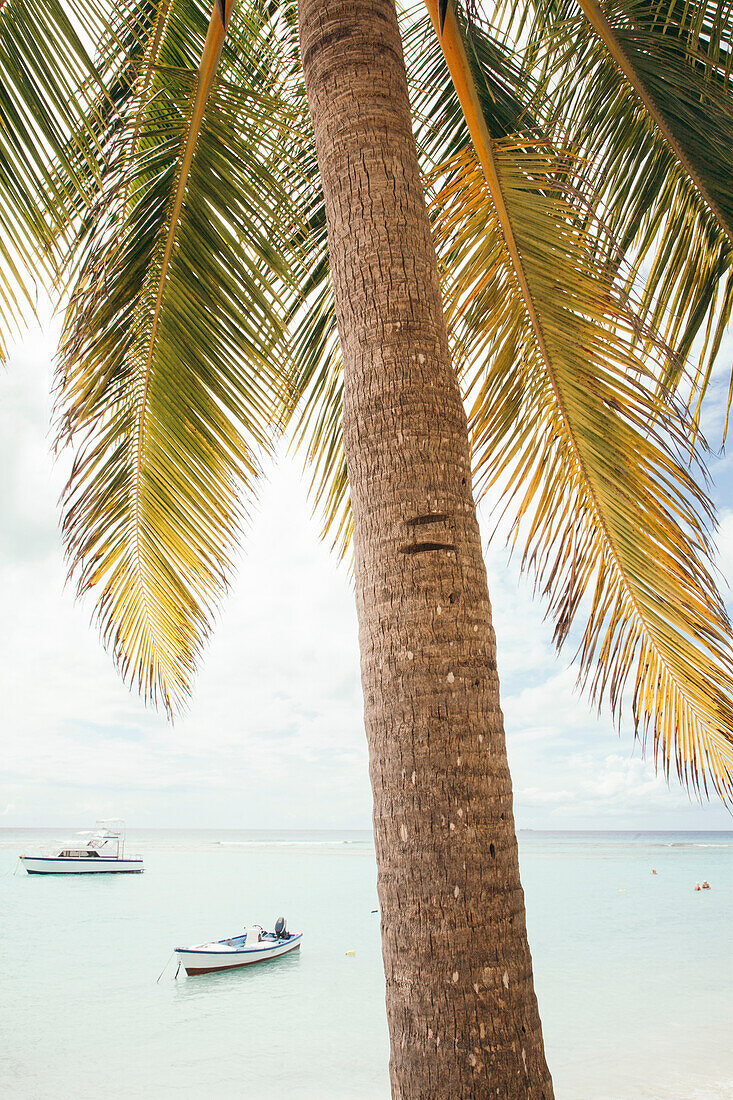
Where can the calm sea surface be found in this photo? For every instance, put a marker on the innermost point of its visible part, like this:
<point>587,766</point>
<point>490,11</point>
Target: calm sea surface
<point>633,970</point>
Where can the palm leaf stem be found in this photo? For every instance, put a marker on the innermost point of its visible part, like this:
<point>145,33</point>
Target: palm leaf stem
<point>204,80</point>
<point>205,77</point>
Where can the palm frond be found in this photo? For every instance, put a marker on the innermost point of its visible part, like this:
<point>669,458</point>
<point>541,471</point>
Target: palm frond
<point>318,382</point>
<point>677,61</point>
<point>48,85</point>
<point>566,420</point>
<point>171,383</point>
<point>643,92</point>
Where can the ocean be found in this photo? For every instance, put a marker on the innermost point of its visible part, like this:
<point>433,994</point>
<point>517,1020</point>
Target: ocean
<point>633,970</point>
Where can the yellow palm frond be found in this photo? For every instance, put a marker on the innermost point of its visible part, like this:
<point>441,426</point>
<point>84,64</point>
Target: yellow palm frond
<point>566,418</point>
<point>170,383</point>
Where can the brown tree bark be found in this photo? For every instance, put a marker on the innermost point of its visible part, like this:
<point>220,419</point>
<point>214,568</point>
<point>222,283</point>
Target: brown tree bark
<point>462,1010</point>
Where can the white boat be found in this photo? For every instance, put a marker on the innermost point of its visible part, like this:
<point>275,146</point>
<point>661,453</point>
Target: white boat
<point>251,946</point>
<point>104,853</point>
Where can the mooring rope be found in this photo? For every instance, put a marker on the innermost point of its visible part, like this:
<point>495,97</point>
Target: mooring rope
<point>166,967</point>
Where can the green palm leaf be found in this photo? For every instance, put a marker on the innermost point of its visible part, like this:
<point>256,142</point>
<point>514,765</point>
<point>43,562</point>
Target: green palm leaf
<point>170,384</point>
<point>48,86</point>
<point>318,383</point>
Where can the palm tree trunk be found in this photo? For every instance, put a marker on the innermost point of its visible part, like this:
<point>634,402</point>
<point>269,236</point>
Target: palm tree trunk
<point>460,998</point>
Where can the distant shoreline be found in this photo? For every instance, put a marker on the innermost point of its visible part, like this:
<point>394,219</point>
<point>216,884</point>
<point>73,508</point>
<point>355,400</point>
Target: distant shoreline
<point>216,831</point>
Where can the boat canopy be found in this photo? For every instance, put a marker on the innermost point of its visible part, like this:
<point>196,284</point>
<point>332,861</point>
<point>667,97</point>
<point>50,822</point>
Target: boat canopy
<point>107,832</point>
<point>110,829</point>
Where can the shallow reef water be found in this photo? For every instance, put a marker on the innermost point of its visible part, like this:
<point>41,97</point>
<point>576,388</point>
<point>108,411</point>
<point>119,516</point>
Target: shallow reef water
<point>633,970</point>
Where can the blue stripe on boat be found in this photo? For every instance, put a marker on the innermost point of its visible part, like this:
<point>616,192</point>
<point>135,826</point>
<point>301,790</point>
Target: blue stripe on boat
<point>80,859</point>
<point>213,949</point>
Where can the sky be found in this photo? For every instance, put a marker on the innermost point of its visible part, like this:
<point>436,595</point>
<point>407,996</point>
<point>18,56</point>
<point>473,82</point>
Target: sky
<point>273,737</point>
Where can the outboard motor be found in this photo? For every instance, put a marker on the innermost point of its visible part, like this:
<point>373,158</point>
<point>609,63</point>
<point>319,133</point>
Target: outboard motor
<point>280,929</point>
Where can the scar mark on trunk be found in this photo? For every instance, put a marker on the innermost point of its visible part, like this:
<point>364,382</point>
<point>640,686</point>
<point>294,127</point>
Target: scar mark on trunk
<point>422,547</point>
<point>429,517</point>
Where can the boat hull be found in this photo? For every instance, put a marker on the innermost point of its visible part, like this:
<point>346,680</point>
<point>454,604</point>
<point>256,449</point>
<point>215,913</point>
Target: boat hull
<point>210,960</point>
<point>49,865</point>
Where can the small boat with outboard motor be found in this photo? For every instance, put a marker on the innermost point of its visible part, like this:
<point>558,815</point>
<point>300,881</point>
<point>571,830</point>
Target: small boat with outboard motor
<point>251,946</point>
<point>103,853</point>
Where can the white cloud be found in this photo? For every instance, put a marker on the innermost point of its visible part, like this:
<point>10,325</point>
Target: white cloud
<point>274,734</point>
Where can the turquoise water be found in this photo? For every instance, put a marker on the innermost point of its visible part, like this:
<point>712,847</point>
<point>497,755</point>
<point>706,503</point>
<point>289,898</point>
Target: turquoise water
<point>633,970</point>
